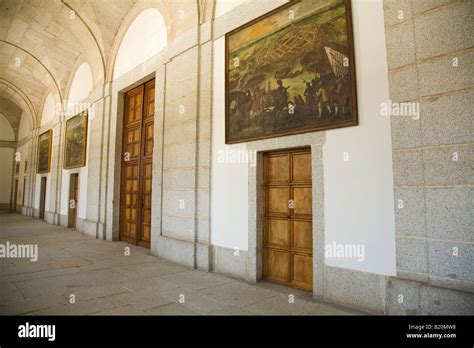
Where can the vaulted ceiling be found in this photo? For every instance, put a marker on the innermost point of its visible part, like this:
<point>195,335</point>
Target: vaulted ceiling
<point>42,42</point>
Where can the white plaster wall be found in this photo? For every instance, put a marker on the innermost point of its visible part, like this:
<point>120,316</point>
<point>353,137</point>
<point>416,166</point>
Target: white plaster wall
<point>6,158</point>
<point>358,193</point>
<point>224,6</point>
<point>49,110</point>
<point>6,130</point>
<point>229,192</point>
<point>81,88</point>
<point>151,22</point>
<point>25,127</point>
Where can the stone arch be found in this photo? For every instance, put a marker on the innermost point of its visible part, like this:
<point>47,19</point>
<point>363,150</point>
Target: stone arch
<point>11,91</point>
<point>206,10</point>
<point>87,32</point>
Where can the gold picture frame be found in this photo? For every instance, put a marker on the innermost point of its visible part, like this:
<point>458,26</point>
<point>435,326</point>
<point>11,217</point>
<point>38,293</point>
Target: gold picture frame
<point>43,157</point>
<point>291,71</point>
<point>75,141</point>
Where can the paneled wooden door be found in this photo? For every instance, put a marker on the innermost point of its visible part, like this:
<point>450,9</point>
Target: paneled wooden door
<point>15,195</point>
<point>73,199</point>
<point>42,205</point>
<point>288,237</point>
<point>137,146</point>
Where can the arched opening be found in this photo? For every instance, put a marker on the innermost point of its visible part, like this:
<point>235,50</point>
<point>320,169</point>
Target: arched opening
<point>6,130</point>
<point>224,6</point>
<point>25,127</point>
<point>49,110</point>
<point>6,158</point>
<point>81,86</point>
<point>145,37</point>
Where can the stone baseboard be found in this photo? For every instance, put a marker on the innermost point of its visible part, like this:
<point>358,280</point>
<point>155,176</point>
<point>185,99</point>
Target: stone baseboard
<point>356,289</point>
<point>63,220</point>
<point>381,294</point>
<point>225,261</point>
<point>406,297</point>
<point>51,218</point>
<point>89,228</point>
<point>183,252</point>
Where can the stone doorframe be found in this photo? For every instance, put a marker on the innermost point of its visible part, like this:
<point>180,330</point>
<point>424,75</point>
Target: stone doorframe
<point>154,68</point>
<point>256,208</point>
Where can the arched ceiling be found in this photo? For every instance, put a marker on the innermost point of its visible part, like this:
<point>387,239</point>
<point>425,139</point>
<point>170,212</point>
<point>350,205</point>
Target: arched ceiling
<point>12,113</point>
<point>43,41</point>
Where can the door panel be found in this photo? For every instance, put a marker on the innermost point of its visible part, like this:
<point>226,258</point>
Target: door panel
<point>277,232</point>
<point>278,264</point>
<point>278,200</point>
<point>302,201</point>
<point>303,235</point>
<point>278,169</point>
<point>301,163</point>
<point>288,232</point>
<point>302,269</point>
<point>135,205</point>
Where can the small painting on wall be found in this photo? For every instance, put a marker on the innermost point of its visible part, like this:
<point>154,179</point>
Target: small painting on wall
<point>291,71</point>
<point>75,141</point>
<point>44,152</point>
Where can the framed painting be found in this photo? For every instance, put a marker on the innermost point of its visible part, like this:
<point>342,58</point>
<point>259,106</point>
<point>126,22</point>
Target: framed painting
<point>75,141</point>
<point>291,71</point>
<point>44,152</point>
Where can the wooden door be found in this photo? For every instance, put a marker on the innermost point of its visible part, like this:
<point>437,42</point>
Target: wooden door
<point>15,195</point>
<point>42,198</point>
<point>73,199</point>
<point>288,236</point>
<point>24,190</point>
<point>137,146</point>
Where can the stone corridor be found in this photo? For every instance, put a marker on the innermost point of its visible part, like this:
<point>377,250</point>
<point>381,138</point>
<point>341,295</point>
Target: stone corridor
<point>105,281</point>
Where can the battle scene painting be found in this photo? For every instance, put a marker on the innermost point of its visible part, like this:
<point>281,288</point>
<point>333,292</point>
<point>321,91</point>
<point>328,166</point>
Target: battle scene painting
<point>291,71</point>
<point>76,138</point>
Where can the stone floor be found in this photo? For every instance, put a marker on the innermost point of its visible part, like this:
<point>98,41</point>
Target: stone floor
<point>105,281</point>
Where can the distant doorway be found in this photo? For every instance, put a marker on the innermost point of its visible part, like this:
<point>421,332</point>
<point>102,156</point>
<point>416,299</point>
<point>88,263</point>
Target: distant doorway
<point>23,202</point>
<point>42,204</point>
<point>73,200</point>
<point>15,195</point>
